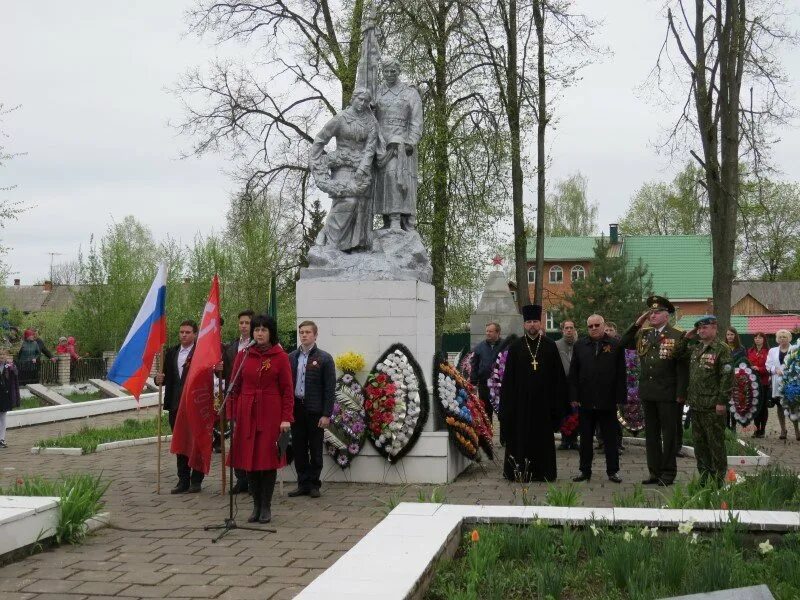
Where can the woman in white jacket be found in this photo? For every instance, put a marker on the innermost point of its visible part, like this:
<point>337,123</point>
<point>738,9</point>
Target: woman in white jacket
<point>774,365</point>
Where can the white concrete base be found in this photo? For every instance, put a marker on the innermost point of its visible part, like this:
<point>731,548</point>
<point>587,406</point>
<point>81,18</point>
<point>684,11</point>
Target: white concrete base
<point>762,460</point>
<point>48,395</point>
<point>25,520</point>
<point>434,459</point>
<point>77,410</point>
<point>109,388</point>
<point>101,447</point>
<point>397,556</point>
<point>369,316</point>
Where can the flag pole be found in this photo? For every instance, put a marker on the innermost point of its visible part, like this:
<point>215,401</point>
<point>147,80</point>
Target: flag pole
<point>159,419</point>
<point>222,442</point>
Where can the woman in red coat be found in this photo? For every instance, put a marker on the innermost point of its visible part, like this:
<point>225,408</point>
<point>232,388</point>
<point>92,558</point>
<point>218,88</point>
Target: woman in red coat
<point>262,405</point>
<point>757,355</point>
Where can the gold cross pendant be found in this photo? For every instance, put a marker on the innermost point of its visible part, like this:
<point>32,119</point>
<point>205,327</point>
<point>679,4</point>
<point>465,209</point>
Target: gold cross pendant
<point>534,364</point>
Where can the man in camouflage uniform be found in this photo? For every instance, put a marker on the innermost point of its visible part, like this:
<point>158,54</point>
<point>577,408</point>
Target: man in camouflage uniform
<point>662,351</point>
<point>710,381</point>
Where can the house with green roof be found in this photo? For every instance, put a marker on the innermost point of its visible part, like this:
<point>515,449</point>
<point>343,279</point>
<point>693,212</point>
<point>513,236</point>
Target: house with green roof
<point>679,264</point>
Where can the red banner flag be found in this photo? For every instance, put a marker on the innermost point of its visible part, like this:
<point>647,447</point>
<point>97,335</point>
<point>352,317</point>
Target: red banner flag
<point>194,423</point>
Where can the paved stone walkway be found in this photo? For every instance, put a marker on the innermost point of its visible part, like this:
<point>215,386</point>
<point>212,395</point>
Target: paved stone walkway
<point>156,547</point>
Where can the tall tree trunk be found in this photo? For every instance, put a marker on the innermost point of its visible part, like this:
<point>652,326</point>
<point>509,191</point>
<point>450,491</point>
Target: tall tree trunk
<point>517,177</point>
<point>538,15</point>
<point>441,206</point>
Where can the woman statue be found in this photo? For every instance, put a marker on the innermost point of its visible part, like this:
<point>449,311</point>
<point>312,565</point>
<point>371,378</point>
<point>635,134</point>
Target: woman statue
<point>346,174</point>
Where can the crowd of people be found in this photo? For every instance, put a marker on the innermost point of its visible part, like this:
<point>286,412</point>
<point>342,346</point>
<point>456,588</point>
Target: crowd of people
<point>269,393</point>
<point>545,380</point>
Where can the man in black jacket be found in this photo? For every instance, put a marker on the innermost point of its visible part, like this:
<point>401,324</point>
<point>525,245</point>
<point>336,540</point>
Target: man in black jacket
<point>228,358</point>
<point>176,367</point>
<point>597,385</point>
<point>483,358</point>
<point>314,376</point>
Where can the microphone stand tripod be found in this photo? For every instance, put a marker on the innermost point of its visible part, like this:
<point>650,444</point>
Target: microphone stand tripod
<point>230,523</point>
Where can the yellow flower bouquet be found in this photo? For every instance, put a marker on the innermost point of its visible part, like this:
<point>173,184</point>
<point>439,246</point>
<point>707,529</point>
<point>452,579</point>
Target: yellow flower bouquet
<point>350,362</point>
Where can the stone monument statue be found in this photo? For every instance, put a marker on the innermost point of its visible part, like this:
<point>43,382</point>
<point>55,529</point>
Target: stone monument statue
<point>372,172</point>
<point>399,111</point>
<point>346,174</point>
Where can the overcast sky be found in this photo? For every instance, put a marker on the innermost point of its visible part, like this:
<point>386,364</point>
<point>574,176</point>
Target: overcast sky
<point>92,79</point>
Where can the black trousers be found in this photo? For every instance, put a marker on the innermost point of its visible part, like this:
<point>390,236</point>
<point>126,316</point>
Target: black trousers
<point>483,394</point>
<point>185,472</point>
<point>604,420</point>
<point>661,437</point>
<point>679,434</point>
<point>307,439</point>
<point>764,400</point>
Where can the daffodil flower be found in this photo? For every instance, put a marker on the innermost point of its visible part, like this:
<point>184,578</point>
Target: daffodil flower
<point>765,547</point>
<point>695,537</point>
<point>627,536</point>
<point>686,528</point>
<point>595,530</point>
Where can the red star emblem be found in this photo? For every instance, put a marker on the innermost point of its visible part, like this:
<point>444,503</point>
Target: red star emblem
<point>497,260</point>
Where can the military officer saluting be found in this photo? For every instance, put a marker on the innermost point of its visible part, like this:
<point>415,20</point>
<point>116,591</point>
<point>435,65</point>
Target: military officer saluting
<point>662,385</point>
<point>710,381</point>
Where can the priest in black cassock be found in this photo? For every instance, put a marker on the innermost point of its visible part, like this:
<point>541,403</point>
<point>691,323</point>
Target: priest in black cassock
<point>532,402</point>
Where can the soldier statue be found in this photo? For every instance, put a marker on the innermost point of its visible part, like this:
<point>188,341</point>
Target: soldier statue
<point>399,111</point>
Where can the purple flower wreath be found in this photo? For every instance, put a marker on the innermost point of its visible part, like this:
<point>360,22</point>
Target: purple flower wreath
<point>631,414</point>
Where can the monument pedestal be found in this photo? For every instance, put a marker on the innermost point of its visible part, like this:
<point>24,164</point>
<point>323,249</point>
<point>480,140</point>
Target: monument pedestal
<point>367,317</point>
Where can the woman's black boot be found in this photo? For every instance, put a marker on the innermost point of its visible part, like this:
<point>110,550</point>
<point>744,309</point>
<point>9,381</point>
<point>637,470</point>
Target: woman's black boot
<point>267,488</point>
<point>254,483</point>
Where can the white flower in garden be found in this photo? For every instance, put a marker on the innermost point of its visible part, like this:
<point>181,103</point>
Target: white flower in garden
<point>686,528</point>
<point>627,536</point>
<point>595,530</point>
<point>649,532</point>
<point>694,539</point>
<point>765,547</point>
<point>654,532</point>
<point>645,531</point>
<point>740,478</point>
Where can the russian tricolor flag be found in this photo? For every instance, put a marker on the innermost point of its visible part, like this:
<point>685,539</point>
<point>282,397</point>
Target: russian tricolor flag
<point>145,338</point>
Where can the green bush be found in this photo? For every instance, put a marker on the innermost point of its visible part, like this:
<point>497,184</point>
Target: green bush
<point>81,498</point>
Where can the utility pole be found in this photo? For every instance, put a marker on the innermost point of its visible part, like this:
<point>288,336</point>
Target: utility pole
<point>52,255</point>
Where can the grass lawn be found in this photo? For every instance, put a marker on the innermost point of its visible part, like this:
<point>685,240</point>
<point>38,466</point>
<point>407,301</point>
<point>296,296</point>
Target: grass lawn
<point>84,396</point>
<point>88,438</point>
<point>510,562</point>
<point>32,402</point>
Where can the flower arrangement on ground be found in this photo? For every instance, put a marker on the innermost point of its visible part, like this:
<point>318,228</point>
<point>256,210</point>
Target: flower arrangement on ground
<point>462,410</point>
<point>744,393</point>
<point>569,425</point>
<point>395,402</point>
<point>631,414</point>
<point>791,385</point>
<point>344,438</point>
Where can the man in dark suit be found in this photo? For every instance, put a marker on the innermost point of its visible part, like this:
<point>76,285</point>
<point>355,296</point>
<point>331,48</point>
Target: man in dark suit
<point>176,367</point>
<point>228,358</point>
<point>598,379</point>
<point>314,376</point>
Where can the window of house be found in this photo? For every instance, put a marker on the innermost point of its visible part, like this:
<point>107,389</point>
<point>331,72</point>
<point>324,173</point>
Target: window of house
<point>550,322</point>
<point>532,275</point>
<point>556,274</point>
<point>577,272</point>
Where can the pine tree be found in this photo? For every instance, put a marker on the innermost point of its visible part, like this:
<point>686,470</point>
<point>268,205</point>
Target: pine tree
<point>610,289</point>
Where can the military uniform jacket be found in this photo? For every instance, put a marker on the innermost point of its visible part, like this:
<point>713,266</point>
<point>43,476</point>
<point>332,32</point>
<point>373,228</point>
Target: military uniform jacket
<point>663,373</point>
<point>710,375</point>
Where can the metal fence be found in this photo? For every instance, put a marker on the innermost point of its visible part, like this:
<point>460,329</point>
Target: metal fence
<point>87,368</point>
<point>42,371</point>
